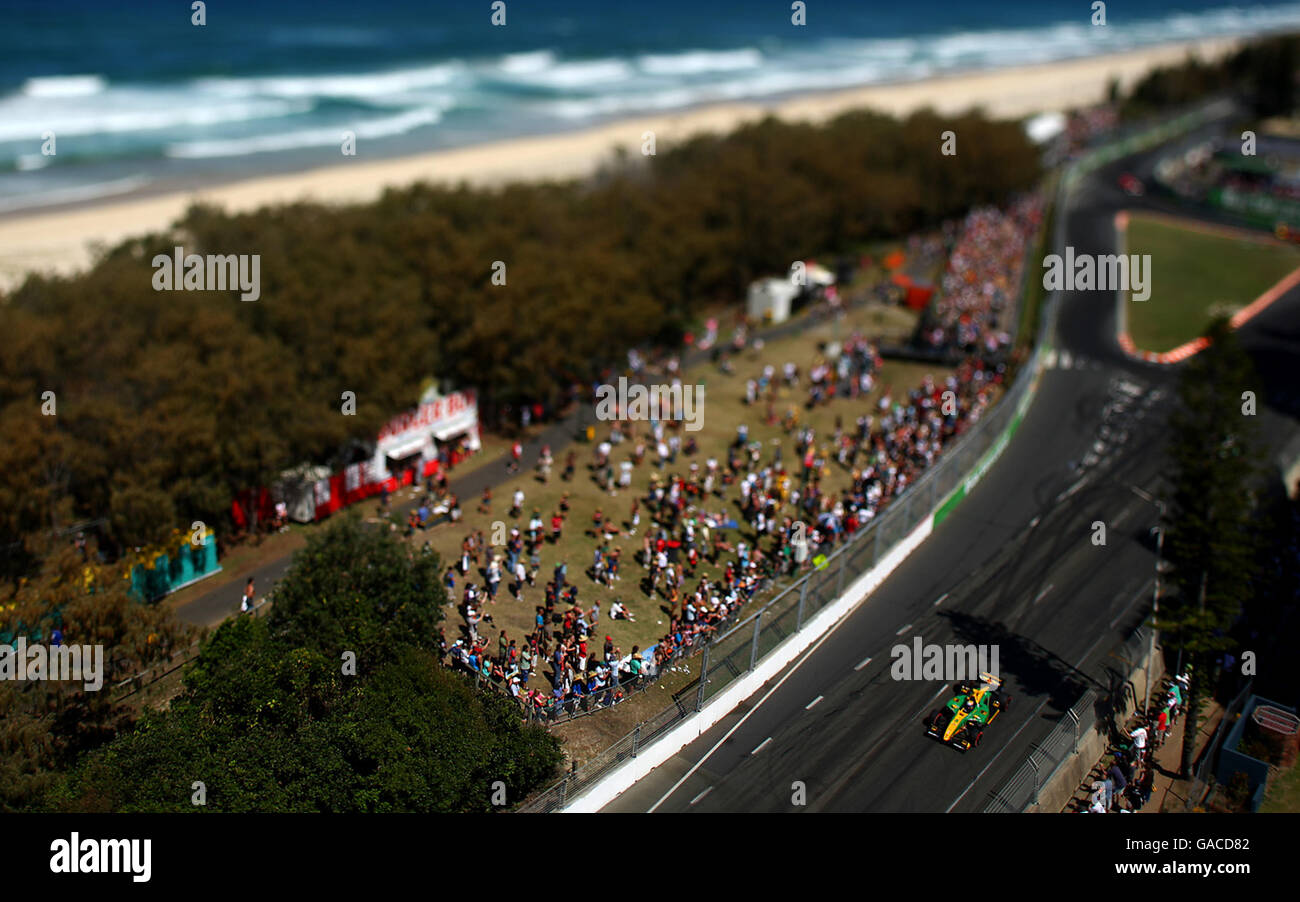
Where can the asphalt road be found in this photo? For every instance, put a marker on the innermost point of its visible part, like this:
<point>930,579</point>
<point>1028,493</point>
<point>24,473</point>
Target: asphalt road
<point>1014,565</point>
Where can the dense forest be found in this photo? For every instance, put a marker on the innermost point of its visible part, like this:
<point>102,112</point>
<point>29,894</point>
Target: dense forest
<point>168,403</point>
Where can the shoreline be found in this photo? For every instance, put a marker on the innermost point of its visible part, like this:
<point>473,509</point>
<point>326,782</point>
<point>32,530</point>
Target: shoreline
<point>59,240</point>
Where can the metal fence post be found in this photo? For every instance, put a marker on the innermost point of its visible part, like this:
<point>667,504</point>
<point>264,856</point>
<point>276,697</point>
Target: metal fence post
<point>803,595</point>
<point>704,674</point>
<point>753,648</point>
<point>636,738</point>
<point>1034,765</point>
<point>839,581</point>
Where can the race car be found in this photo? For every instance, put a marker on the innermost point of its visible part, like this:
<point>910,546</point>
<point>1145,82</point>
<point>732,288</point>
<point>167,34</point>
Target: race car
<point>961,722</point>
<point>1131,185</point>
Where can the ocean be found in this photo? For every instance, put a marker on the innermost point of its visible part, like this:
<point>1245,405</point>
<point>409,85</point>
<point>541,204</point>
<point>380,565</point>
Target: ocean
<point>137,98</point>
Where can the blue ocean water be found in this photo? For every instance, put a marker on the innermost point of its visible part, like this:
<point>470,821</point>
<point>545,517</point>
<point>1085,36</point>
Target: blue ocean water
<point>137,96</point>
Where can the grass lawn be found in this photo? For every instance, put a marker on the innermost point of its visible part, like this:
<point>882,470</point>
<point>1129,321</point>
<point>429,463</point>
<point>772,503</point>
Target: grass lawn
<point>1198,272</point>
<point>1283,793</point>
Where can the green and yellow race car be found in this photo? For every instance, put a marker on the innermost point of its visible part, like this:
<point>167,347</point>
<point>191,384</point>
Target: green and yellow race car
<point>961,722</point>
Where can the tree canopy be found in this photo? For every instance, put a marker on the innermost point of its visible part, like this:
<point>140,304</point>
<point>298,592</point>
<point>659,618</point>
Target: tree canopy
<point>272,719</point>
<point>169,403</point>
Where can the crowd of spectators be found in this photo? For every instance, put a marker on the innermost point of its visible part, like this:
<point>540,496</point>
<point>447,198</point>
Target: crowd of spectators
<point>1125,782</point>
<point>752,514</point>
<point>753,517</point>
<point>974,309</point>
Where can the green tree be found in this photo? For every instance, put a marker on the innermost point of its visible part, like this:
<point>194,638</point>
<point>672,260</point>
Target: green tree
<point>1211,540</point>
<point>269,720</point>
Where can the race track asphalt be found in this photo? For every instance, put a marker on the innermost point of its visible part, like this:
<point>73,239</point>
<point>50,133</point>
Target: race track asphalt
<point>1013,564</point>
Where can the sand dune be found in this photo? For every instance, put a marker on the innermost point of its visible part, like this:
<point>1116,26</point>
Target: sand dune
<point>63,241</point>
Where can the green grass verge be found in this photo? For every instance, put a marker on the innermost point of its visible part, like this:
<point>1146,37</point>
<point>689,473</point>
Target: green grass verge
<point>1197,275</point>
<point>1283,793</point>
<point>1035,295</point>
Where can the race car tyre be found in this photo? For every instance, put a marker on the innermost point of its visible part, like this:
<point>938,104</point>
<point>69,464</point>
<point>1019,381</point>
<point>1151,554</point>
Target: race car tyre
<point>976,740</point>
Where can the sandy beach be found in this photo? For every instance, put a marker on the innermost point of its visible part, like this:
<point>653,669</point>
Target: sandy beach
<point>63,241</point>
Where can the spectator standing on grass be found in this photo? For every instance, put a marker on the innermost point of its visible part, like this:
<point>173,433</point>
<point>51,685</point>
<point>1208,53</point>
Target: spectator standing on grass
<point>248,602</point>
<point>521,576</point>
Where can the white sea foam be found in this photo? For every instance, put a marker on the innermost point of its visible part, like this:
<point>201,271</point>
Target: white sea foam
<point>309,137</point>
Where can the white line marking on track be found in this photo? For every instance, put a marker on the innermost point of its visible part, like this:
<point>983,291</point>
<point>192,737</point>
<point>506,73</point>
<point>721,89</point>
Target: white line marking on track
<point>808,707</point>
<point>762,745</point>
<point>1071,490</point>
<point>1040,595</point>
<point>938,601</point>
<point>903,630</point>
<point>701,795</point>
<point>863,663</point>
<point>789,673</point>
<point>1136,598</point>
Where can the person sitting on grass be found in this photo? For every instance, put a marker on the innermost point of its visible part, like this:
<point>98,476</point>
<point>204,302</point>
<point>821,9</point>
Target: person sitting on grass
<point>618,611</point>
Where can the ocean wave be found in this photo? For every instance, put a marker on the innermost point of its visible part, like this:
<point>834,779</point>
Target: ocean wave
<point>498,94</point>
<point>124,111</point>
<point>385,127</point>
<point>527,63</point>
<point>567,76</point>
<point>700,62</point>
<point>361,86</point>
<point>48,86</point>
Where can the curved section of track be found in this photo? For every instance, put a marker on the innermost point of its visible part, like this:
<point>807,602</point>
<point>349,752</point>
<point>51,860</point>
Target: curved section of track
<point>1013,565</point>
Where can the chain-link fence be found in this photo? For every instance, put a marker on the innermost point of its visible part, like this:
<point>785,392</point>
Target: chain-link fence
<point>1093,711</point>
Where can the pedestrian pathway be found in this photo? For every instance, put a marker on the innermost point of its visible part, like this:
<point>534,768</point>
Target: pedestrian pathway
<point>223,601</point>
<point>1169,792</point>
